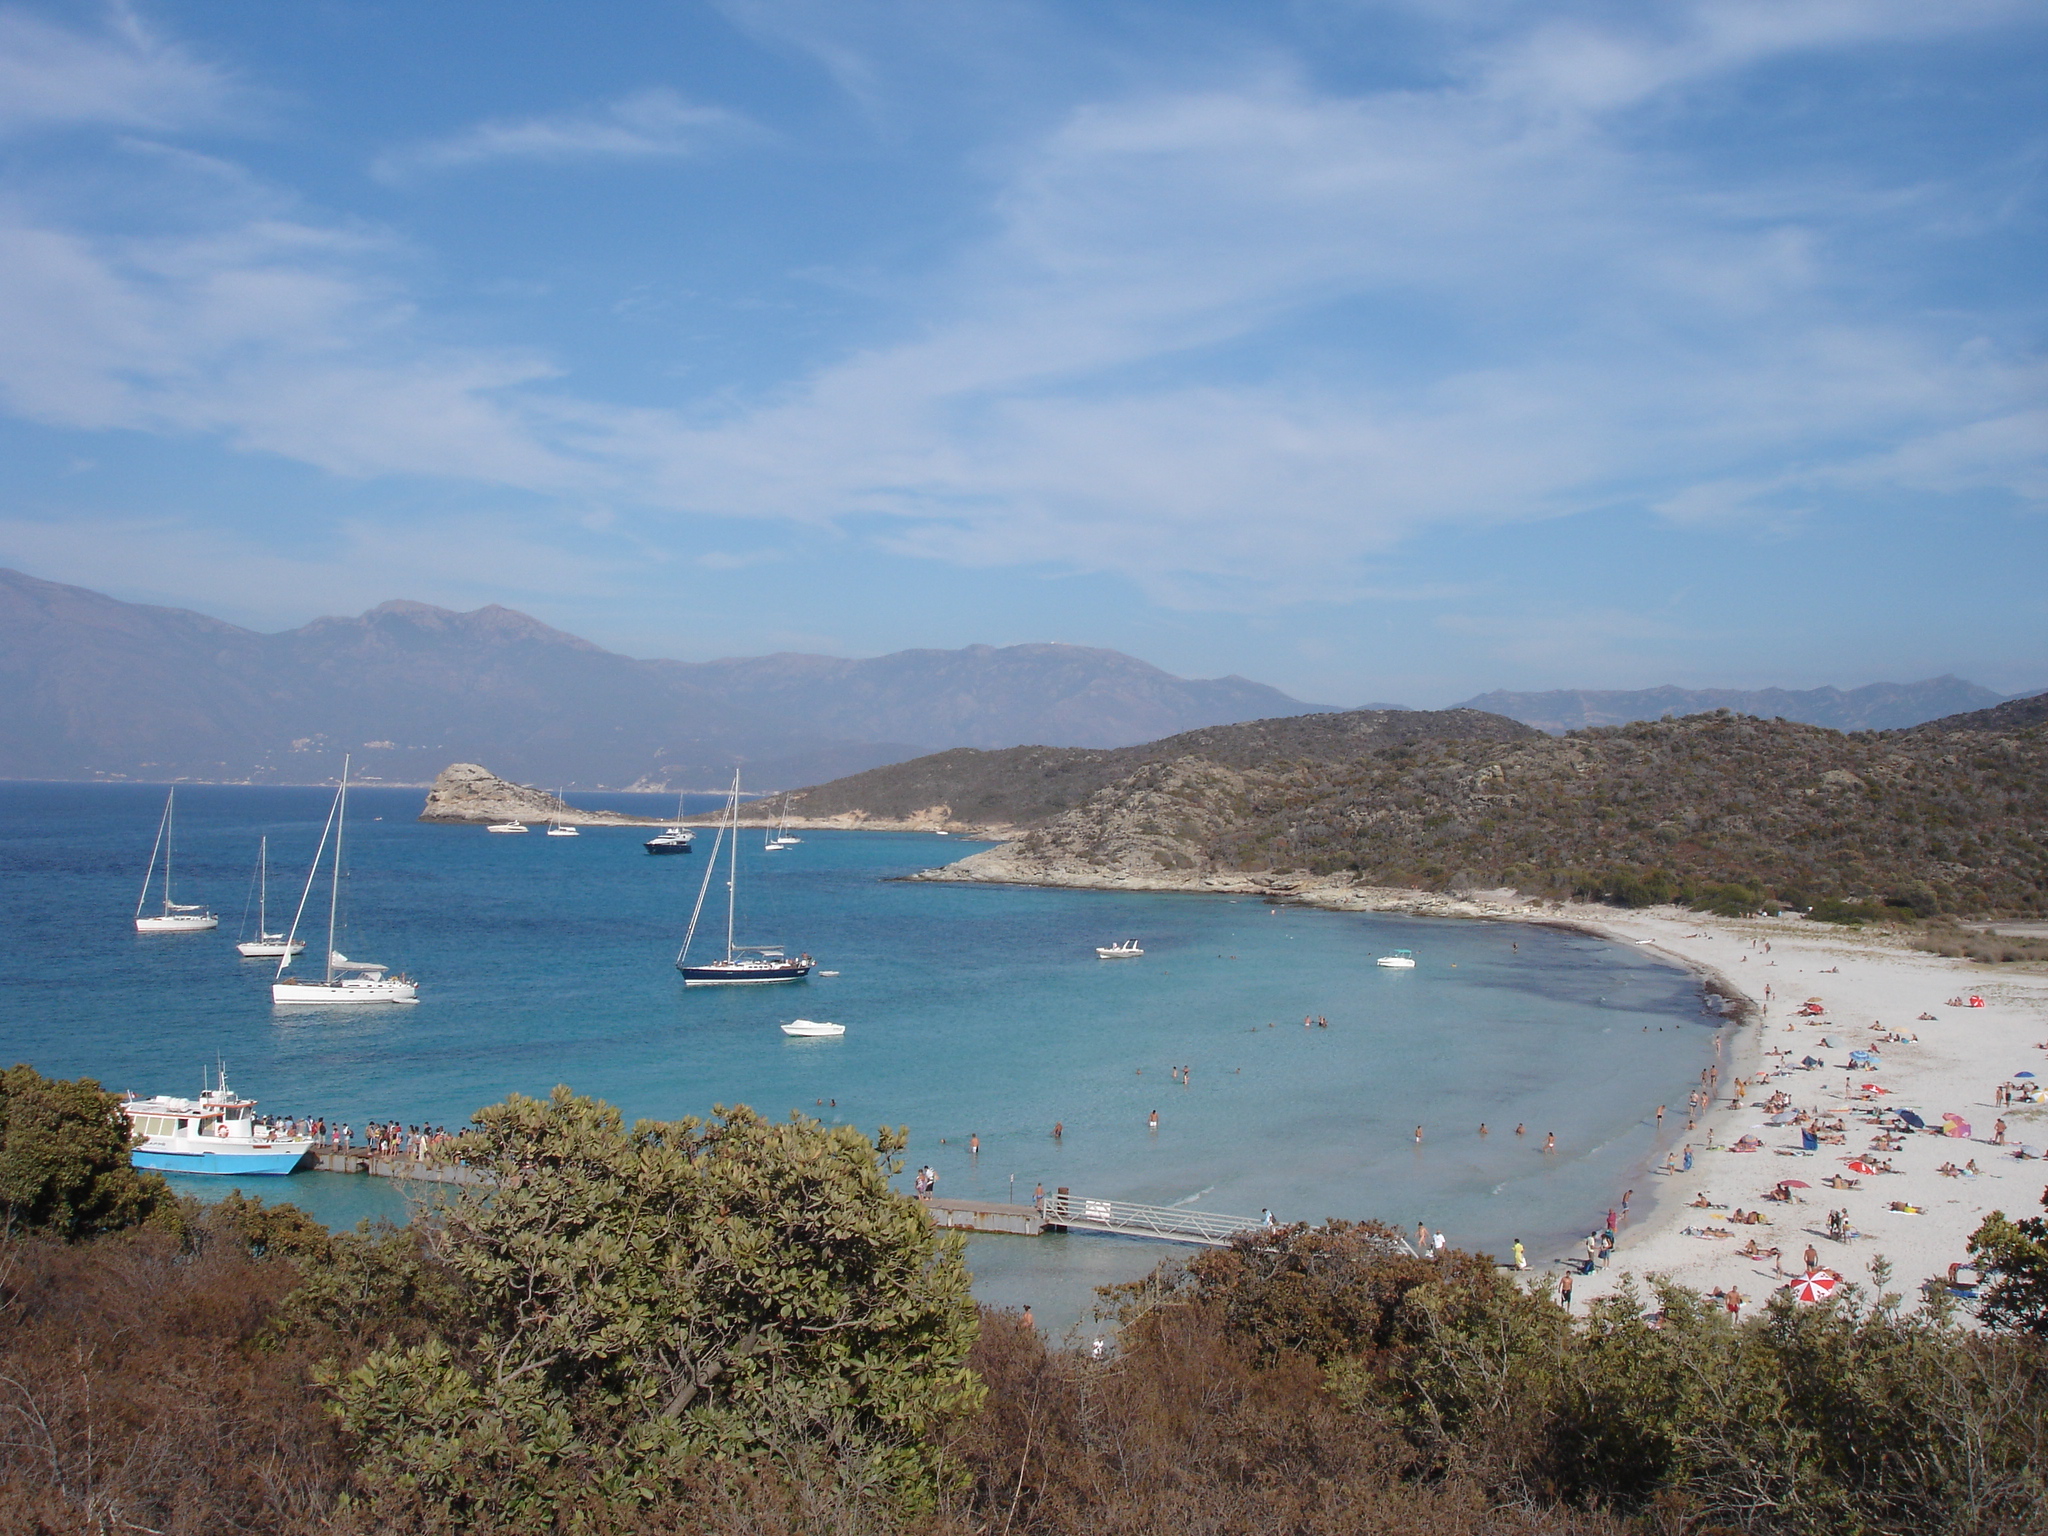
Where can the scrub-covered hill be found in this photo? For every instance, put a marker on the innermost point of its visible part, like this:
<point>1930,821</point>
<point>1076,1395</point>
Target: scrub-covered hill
<point>1725,809</point>
<point>1019,786</point>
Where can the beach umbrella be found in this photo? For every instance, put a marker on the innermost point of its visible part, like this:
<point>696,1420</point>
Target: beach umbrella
<point>1857,1165</point>
<point>1876,1088</point>
<point>1817,1286</point>
<point>1912,1119</point>
<point>1783,1117</point>
<point>1959,1128</point>
<point>1793,1184</point>
<point>2023,1074</point>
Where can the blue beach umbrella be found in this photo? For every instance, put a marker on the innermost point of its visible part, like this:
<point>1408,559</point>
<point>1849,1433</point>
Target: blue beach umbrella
<point>1912,1119</point>
<point>2023,1074</point>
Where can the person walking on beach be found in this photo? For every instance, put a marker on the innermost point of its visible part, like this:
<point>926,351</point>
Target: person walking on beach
<point>1687,1165</point>
<point>1437,1244</point>
<point>1422,1239</point>
<point>1592,1250</point>
<point>1550,1142</point>
<point>1564,1290</point>
<point>1812,1258</point>
<point>1521,1258</point>
<point>1660,1117</point>
<point>1626,1196</point>
<point>1027,1319</point>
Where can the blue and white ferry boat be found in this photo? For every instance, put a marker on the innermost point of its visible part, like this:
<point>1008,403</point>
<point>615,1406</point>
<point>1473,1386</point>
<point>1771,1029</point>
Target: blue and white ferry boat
<point>214,1133</point>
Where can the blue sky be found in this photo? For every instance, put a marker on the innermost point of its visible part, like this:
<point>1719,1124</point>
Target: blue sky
<point>1378,351</point>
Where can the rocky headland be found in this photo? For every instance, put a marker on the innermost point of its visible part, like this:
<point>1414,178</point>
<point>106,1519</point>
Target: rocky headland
<point>468,794</point>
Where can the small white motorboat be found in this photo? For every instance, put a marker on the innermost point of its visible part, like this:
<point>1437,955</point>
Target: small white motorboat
<point>812,1028</point>
<point>1123,949</point>
<point>1399,960</point>
<point>507,826</point>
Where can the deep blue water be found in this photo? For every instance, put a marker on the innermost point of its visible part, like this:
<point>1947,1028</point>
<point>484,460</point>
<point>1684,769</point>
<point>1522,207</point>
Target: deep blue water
<point>969,1009</point>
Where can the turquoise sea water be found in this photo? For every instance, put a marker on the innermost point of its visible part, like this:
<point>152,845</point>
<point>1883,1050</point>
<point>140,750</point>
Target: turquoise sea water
<point>969,1010</point>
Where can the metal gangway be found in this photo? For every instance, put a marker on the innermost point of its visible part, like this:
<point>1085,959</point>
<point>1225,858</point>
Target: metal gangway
<point>1173,1223</point>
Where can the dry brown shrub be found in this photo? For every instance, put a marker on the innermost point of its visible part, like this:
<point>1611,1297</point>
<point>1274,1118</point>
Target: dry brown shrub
<point>132,1396</point>
<point>1186,1432</point>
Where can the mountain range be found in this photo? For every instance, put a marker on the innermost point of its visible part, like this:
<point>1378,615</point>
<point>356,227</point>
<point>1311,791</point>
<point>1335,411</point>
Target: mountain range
<point>92,687</point>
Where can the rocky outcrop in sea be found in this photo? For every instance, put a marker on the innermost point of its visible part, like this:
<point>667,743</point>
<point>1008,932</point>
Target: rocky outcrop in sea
<point>469,794</point>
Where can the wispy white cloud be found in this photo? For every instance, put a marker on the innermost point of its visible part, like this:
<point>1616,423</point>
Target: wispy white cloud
<point>1235,342</point>
<point>122,75</point>
<point>653,124</point>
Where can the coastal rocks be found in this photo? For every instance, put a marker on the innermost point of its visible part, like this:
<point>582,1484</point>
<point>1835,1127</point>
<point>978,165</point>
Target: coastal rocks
<point>471,795</point>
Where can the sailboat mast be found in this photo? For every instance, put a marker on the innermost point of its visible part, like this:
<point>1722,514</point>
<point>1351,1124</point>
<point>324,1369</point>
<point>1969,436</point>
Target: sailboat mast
<point>334,888</point>
<point>170,832</point>
<point>262,889</point>
<point>149,874</point>
<point>732,868</point>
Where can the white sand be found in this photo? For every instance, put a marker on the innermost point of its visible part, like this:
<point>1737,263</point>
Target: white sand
<point>1962,1057</point>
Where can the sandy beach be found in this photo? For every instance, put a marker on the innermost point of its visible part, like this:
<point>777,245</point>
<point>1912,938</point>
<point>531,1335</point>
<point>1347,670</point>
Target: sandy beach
<point>1871,990</point>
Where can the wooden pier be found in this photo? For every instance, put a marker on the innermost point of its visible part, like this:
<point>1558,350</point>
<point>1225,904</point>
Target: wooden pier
<point>382,1165</point>
<point>1061,1211</point>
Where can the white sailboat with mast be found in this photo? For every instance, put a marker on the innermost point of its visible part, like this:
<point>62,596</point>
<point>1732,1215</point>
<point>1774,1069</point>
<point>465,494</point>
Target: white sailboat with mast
<point>743,963</point>
<point>266,945</point>
<point>345,980</point>
<point>172,918</point>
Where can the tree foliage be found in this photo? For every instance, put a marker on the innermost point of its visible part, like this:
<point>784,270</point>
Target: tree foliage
<point>2013,1256</point>
<point>617,1305</point>
<point>64,1161</point>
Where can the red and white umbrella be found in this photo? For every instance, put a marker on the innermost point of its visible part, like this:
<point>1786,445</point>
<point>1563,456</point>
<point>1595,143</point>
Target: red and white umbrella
<point>1857,1165</point>
<point>1816,1285</point>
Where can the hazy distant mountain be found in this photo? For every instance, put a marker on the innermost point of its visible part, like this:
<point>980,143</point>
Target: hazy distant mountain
<point>93,687</point>
<point>1878,707</point>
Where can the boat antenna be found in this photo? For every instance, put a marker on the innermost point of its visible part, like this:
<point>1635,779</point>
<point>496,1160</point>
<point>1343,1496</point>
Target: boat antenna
<point>710,867</point>
<point>312,873</point>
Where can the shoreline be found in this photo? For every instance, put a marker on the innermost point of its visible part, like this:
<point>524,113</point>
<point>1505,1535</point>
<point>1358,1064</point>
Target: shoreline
<point>1958,1061</point>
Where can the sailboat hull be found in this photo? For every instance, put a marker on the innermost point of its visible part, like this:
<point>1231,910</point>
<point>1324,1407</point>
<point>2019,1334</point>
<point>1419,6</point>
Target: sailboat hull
<point>196,922</point>
<point>743,973</point>
<point>365,989</point>
<point>269,948</point>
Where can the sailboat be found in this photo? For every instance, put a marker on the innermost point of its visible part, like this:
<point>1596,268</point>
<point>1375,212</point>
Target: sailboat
<point>782,837</point>
<point>266,945</point>
<point>557,827</point>
<point>743,963</point>
<point>173,918</point>
<point>345,980</point>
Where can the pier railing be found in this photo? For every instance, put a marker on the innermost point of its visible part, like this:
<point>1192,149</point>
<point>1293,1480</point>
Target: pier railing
<point>1175,1224</point>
